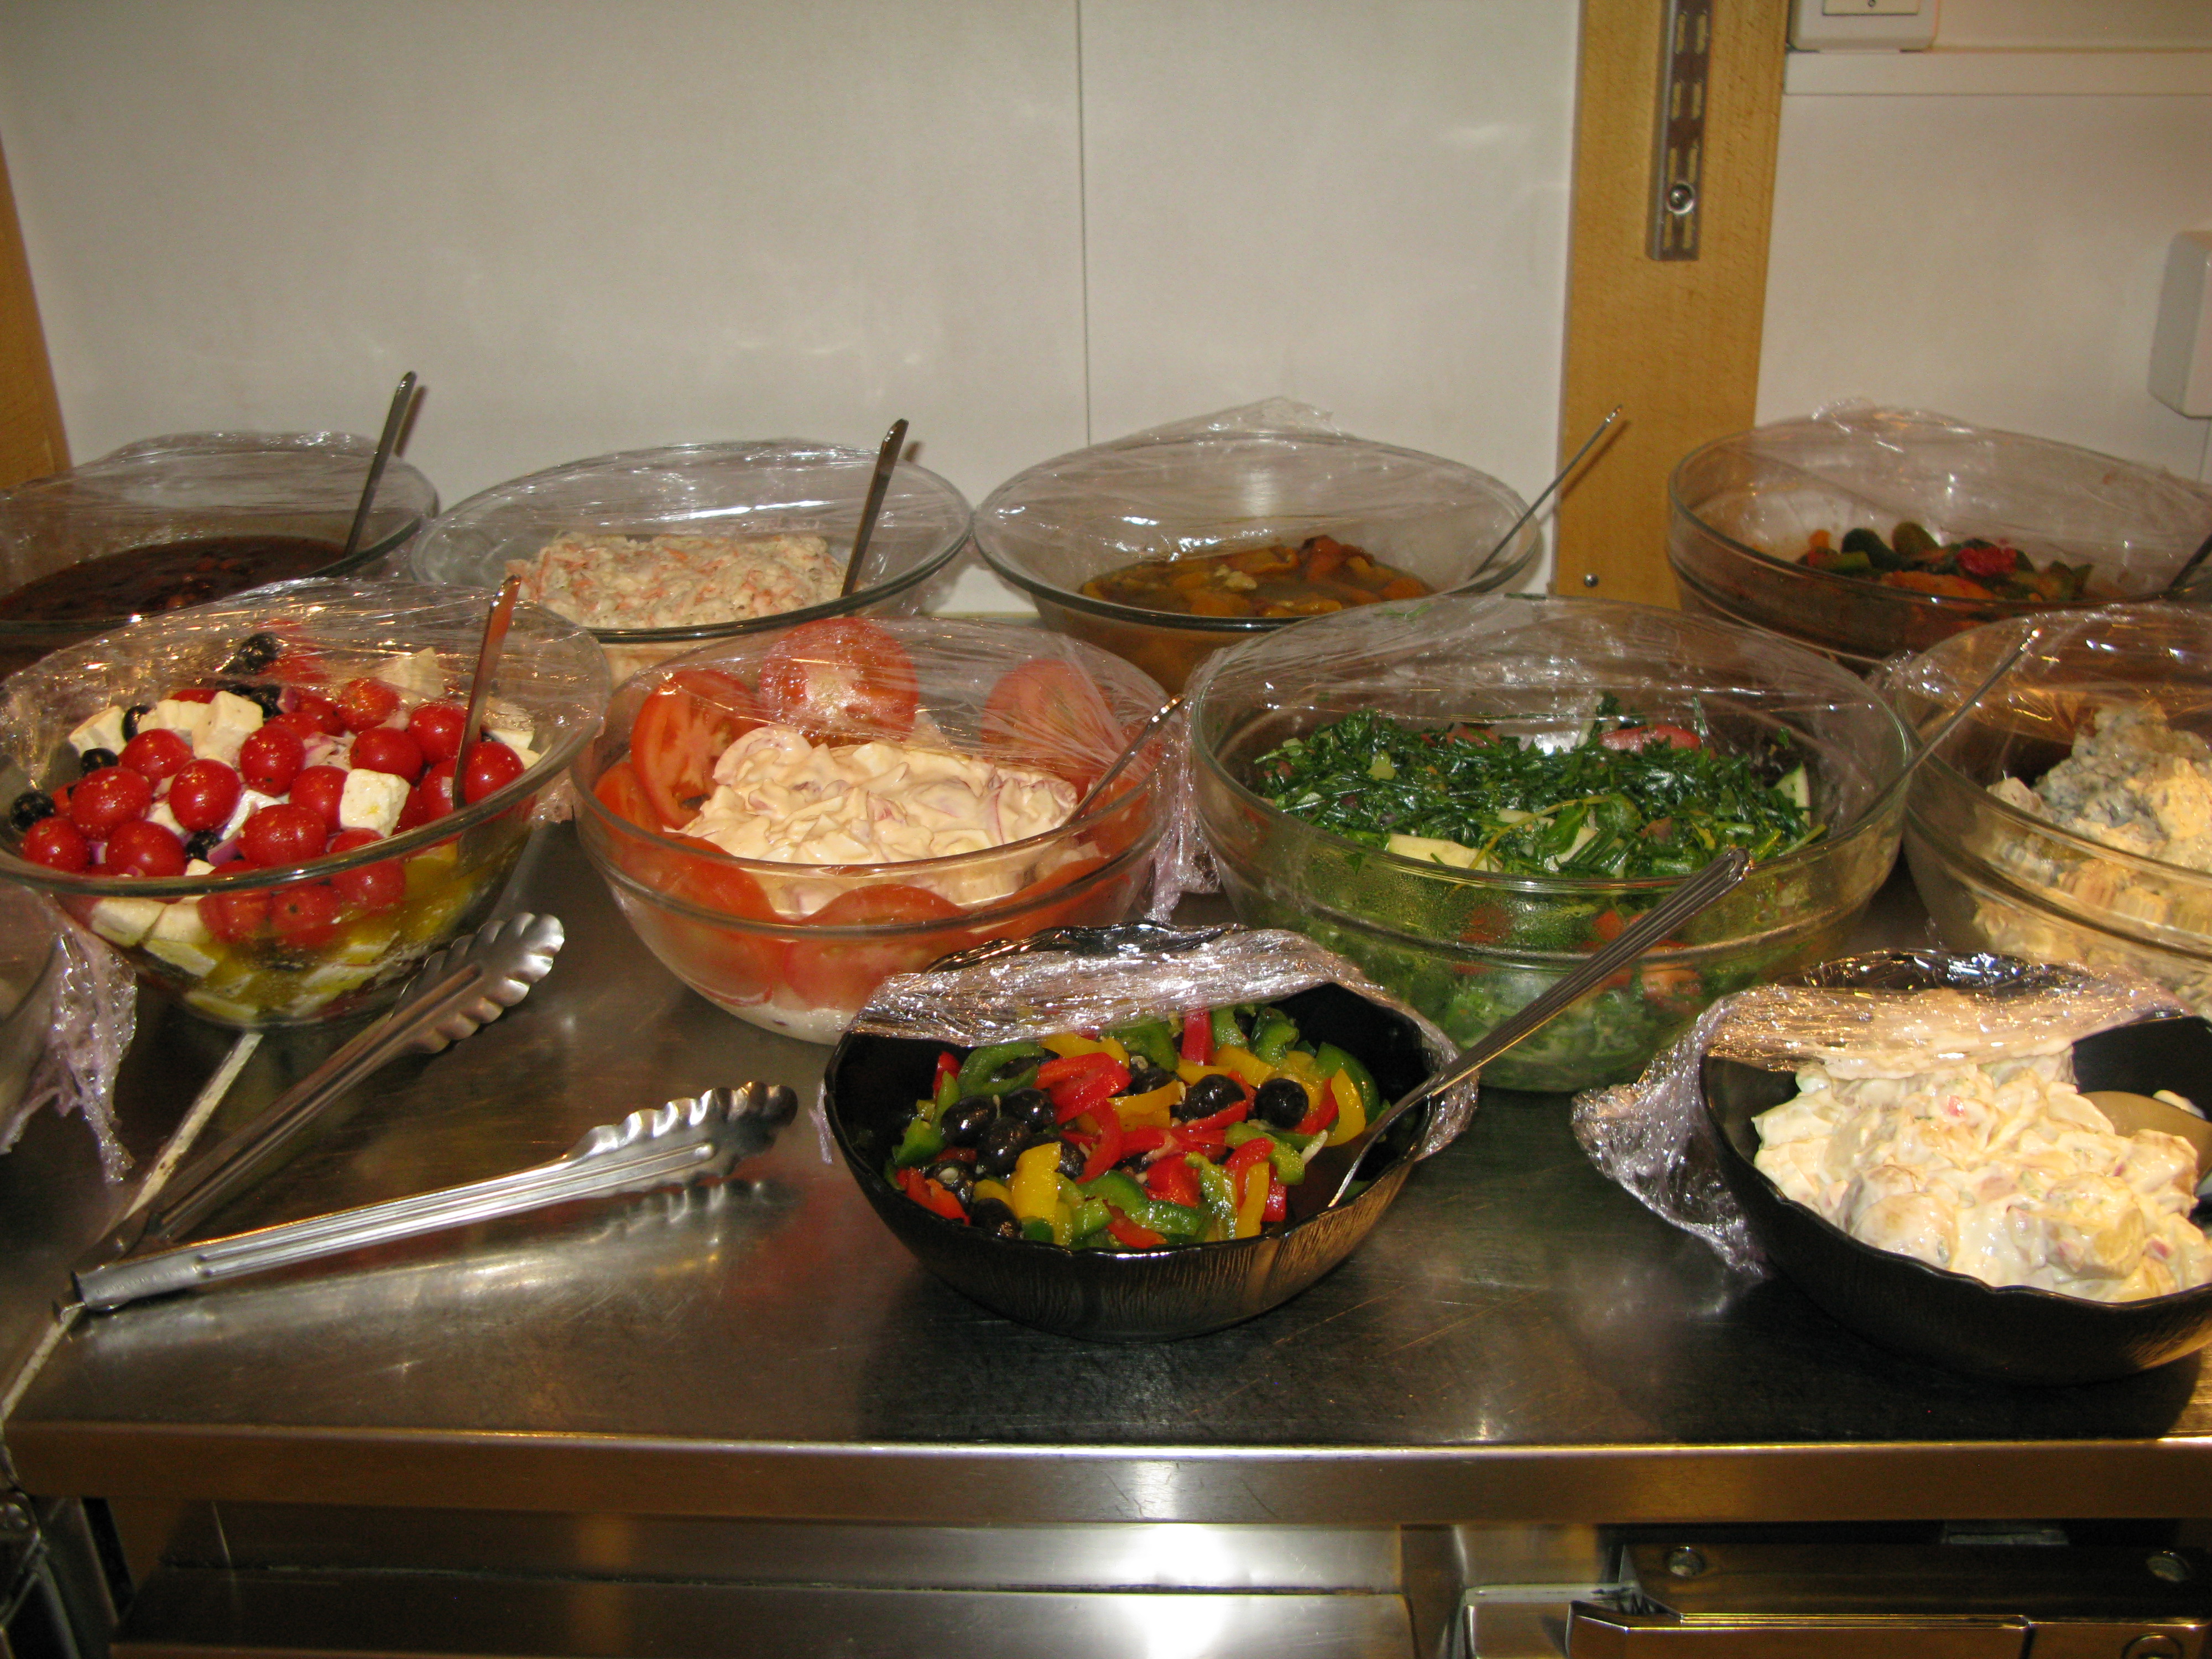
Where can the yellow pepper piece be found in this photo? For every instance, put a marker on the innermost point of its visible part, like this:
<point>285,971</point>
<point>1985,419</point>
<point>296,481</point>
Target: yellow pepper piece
<point>1067,1046</point>
<point>1301,1067</point>
<point>1253,1201</point>
<point>988,1187</point>
<point>1245,1064</point>
<point>1035,1188</point>
<point>1152,1110</point>
<point>1350,1116</point>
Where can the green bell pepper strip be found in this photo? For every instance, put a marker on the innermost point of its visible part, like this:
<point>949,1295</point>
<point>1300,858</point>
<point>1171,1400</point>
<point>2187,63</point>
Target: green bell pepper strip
<point>1091,1216</point>
<point>1037,1233</point>
<point>922,1141</point>
<point>999,1068</point>
<point>1220,1196</point>
<point>1153,1040</point>
<point>1124,1192</point>
<point>1272,1033</point>
<point>1227,1033</point>
<point>1289,1162</point>
<point>1332,1060</point>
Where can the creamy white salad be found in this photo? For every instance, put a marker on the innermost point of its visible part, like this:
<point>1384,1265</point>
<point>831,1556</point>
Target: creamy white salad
<point>677,580</point>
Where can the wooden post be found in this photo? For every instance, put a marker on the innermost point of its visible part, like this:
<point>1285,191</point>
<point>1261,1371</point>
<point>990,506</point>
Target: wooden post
<point>32,443</point>
<point>1676,340</point>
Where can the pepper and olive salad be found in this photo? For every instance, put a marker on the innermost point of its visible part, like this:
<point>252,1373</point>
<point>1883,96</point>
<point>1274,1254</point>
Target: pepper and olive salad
<point>1975,568</point>
<point>1180,1131</point>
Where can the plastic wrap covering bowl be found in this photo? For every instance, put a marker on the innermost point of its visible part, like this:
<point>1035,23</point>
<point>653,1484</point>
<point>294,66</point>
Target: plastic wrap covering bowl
<point>1181,493</point>
<point>1995,876</point>
<point>281,504</point>
<point>799,946</point>
<point>726,491</point>
<point>316,951</point>
<point>30,954</point>
<point>1467,948</point>
<point>2014,1333</point>
<point>869,1092</point>
<point>1743,509</point>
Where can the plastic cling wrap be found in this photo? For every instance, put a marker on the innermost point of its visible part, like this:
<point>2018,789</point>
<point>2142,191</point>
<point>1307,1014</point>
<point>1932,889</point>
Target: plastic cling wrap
<point>1887,1014</point>
<point>1085,978</point>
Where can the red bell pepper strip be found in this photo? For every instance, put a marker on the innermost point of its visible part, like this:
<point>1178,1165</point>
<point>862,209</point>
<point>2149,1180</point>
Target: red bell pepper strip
<point>1108,1152</point>
<point>1320,1118</point>
<point>1198,1035</point>
<point>1251,1153</point>
<point>1222,1119</point>
<point>1209,1144</point>
<point>1130,1235</point>
<point>932,1196</point>
<point>1278,1200</point>
<point>1175,1180</point>
<point>1077,1083</point>
<point>1145,1139</point>
<point>947,1067</point>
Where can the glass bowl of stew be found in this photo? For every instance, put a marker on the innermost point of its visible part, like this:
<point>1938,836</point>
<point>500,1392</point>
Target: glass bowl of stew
<point>304,924</point>
<point>1468,947</point>
<point>175,521</point>
<point>962,724</point>
<point>1875,496</point>
<point>1165,548</point>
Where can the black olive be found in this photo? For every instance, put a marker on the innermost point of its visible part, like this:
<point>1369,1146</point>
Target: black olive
<point>1281,1104</point>
<point>132,716</point>
<point>1071,1160</point>
<point>202,844</point>
<point>1212,1093</point>
<point>964,1121</point>
<point>1032,1107</point>
<point>1144,1076</point>
<point>29,808</point>
<point>1002,1143</point>
<point>270,699</point>
<point>954,1176</point>
<point>95,760</point>
<point>255,652</point>
<point>988,1215</point>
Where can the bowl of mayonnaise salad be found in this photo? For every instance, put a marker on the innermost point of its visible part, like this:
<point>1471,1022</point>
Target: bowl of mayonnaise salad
<point>789,817</point>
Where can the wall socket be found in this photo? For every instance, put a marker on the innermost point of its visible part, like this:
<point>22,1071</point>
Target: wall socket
<point>1862,25</point>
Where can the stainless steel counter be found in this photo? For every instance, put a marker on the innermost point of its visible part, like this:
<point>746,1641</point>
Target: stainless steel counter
<point>1519,1341</point>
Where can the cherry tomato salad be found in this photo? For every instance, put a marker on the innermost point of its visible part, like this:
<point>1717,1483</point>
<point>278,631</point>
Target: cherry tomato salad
<point>269,764</point>
<point>1185,1130</point>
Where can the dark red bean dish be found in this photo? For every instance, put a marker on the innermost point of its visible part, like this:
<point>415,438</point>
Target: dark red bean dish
<point>138,582</point>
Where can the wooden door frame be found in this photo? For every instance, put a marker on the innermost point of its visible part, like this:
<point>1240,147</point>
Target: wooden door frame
<point>32,442</point>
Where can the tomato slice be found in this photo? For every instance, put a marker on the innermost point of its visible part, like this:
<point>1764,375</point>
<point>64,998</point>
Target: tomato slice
<point>680,733</point>
<point>1048,714</point>
<point>619,791</point>
<point>1643,736</point>
<point>828,973</point>
<point>841,677</point>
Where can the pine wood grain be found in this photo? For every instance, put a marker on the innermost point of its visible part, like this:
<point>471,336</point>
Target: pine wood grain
<point>1676,342</point>
<point>32,444</point>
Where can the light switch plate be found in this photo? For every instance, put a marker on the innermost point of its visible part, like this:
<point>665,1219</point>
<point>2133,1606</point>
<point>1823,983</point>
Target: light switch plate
<point>1862,25</point>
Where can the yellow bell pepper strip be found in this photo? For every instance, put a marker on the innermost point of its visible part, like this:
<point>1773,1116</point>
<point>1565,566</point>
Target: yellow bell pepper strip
<point>1220,1197</point>
<point>1297,1063</point>
<point>1034,1189</point>
<point>1243,1064</point>
<point>1248,1174</point>
<point>1351,1113</point>
<point>1068,1045</point>
<point>1356,1112</point>
<point>988,1187</point>
<point>999,1068</point>
<point>1154,1040</point>
<point>1153,1109</point>
<point>1197,1036</point>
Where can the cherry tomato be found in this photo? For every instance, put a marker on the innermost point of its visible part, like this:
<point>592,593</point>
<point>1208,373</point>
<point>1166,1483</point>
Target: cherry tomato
<point>491,766</point>
<point>841,676</point>
<point>204,794</point>
<point>235,917</point>
<point>112,795</point>
<point>193,694</point>
<point>373,886</point>
<point>388,748</point>
<point>322,788</point>
<point>284,832</point>
<point>364,703</point>
<point>834,973</point>
<point>312,710</point>
<point>1643,736</point>
<point>432,798</point>
<point>306,913</point>
<point>1050,715</point>
<point>142,849</point>
<point>58,844</point>
<point>437,728</point>
<point>271,758</point>
<point>158,754</point>
<point>680,733</point>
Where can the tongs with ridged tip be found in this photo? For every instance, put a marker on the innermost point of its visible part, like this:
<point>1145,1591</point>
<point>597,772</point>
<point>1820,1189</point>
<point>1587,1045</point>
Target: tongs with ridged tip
<point>695,1139</point>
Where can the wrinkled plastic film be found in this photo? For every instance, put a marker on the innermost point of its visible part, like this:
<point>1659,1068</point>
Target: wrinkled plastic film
<point>70,1006</point>
<point>1098,980</point>
<point>1892,1013</point>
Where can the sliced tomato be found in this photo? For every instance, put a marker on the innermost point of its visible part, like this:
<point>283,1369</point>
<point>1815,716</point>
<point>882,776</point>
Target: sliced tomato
<point>680,733</point>
<point>841,677</point>
<point>619,791</point>
<point>835,972</point>
<point>1050,715</point>
<point>1102,905</point>
<point>1643,736</point>
<point>725,962</point>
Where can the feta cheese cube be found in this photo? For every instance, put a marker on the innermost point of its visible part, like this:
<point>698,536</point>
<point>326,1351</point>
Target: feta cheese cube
<point>371,801</point>
<point>180,923</point>
<point>249,801</point>
<point>519,742</point>
<point>419,673</point>
<point>231,720</point>
<point>103,731</point>
<point>199,867</point>
<point>160,813</point>
<point>178,954</point>
<point>125,921</point>
<point>188,719</point>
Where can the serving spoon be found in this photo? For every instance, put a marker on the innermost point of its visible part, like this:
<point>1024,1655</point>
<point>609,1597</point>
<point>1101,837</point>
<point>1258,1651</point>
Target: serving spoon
<point>1536,506</point>
<point>394,419</point>
<point>880,481</point>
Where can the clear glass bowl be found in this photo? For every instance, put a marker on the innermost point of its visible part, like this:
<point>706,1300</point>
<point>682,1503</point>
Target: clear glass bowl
<point>1996,878</point>
<point>744,933</point>
<point>1055,527</point>
<point>1469,949</point>
<point>455,866</point>
<point>782,486</point>
<point>195,486</point>
<point>1744,507</point>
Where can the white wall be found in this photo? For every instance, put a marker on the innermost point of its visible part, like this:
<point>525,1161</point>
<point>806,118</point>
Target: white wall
<point>1022,224</point>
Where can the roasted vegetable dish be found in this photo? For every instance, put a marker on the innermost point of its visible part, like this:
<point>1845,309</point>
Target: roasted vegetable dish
<point>1185,1130</point>
<point>1975,568</point>
<point>1319,575</point>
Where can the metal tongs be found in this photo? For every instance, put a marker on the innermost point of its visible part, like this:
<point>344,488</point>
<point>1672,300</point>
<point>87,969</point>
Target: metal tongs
<point>696,1138</point>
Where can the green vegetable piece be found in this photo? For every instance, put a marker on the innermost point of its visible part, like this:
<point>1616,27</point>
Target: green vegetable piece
<point>1273,1031</point>
<point>1037,1230</point>
<point>1863,540</point>
<point>947,1092</point>
<point>1796,786</point>
<point>922,1141</point>
<point>1121,1190</point>
<point>1090,1216</point>
<point>999,1068</point>
<point>1227,1033</point>
<point>1912,540</point>
<point>1220,1196</point>
<point>1154,1040</point>
<point>1332,1059</point>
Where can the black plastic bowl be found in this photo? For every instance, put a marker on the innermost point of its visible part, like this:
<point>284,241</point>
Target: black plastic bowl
<point>869,1092</point>
<point>2014,1333</point>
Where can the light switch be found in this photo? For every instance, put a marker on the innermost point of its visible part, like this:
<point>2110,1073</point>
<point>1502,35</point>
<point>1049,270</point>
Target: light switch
<point>1862,25</point>
<point>2181,345</point>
